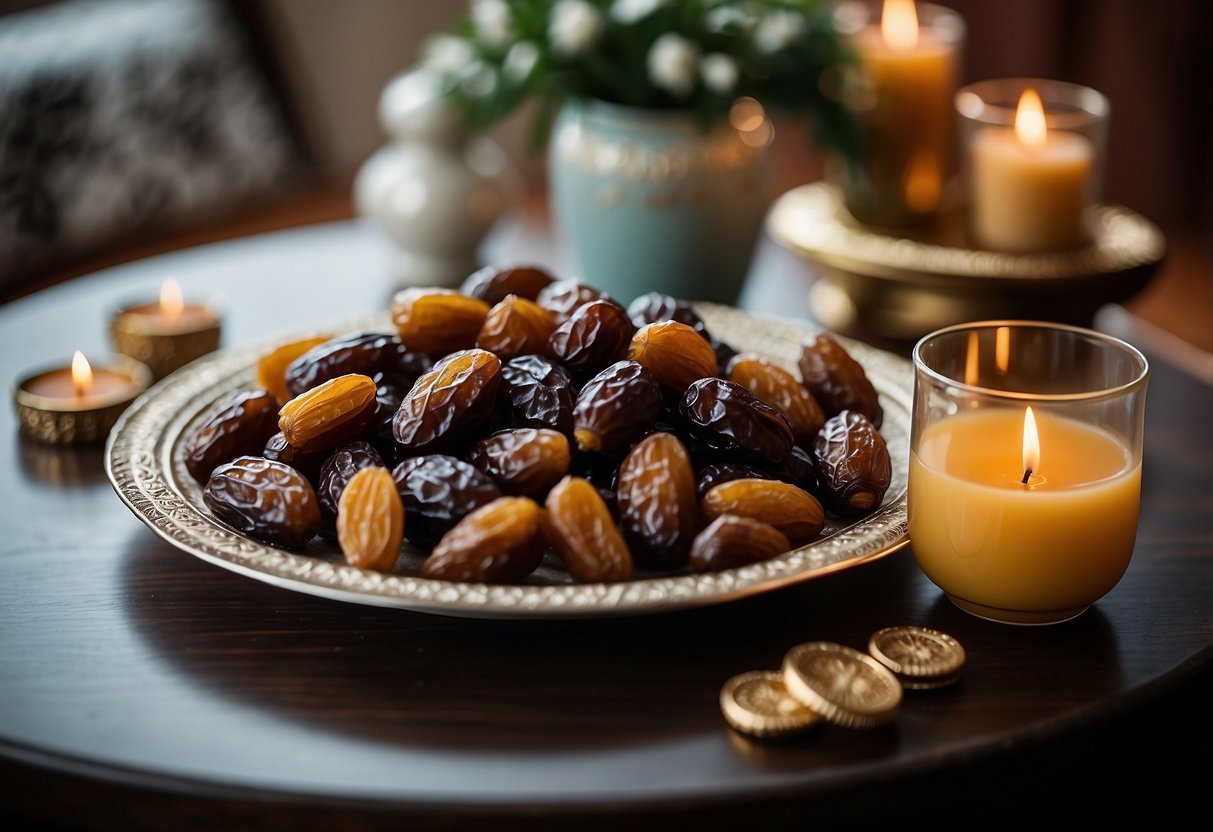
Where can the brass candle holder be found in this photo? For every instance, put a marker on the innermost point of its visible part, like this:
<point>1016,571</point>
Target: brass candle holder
<point>166,335</point>
<point>78,404</point>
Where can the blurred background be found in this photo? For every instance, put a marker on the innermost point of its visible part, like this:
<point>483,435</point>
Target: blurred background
<point>129,126</point>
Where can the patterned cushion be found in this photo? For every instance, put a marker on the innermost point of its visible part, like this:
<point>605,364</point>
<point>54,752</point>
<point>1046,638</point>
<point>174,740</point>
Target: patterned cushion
<point>118,116</point>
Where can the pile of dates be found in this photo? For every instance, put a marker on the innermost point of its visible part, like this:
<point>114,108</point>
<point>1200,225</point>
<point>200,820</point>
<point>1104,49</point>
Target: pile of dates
<point>524,415</point>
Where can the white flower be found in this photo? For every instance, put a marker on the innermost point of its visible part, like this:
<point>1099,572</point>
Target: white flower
<point>722,17</point>
<point>448,54</point>
<point>628,12</point>
<point>672,63</point>
<point>575,24</point>
<point>478,79</point>
<point>719,72</point>
<point>520,60</point>
<point>494,22</point>
<point>778,29</point>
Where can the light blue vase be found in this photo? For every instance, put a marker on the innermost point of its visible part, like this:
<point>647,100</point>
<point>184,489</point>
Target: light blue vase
<point>648,200</point>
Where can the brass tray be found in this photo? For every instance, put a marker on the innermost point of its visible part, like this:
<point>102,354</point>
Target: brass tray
<point>144,462</point>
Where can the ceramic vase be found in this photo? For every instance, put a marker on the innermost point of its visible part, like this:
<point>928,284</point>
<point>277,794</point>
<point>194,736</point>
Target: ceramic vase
<point>650,200</point>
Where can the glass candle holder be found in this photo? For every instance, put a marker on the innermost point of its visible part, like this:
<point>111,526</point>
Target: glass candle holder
<point>901,93</point>
<point>1025,466</point>
<point>1033,162</point>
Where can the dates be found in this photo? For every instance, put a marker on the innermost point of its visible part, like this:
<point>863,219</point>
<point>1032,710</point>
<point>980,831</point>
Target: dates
<point>853,465</point>
<point>782,390</point>
<point>715,473</point>
<point>499,543</point>
<point>729,417</point>
<point>580,527</point>
<point>731,541</point>
<point>658,505</point>
<point>491,284</point>
<point>329,413</point>
<point>595,335</point>
<point>437,321</point>
<point>337,472</point>
<point>654,307</point>
<point>538,394</point>
<point>564,297</point>
<point>793,511</point>
<point>269,501</point>
<point>238,424</point>
<point>524,461</point>
<point>272,367</point>
<point>674,353</point>
<point>437,491</point>
<point>449,403</point>
<point>837,380</point>
<point>516,326</point>
<point>370,520</point>
<point>616,407</point>
<point>365,353</point>
<point>307,463</point>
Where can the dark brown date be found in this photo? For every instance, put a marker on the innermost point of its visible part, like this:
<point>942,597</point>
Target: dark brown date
<point>492,284</point>
<point>449,403</point>
<point>731,541</point>
<point>837,380</point>
<point>538,394</point>
<point>616,407</point>
<point>366,354</point>
<point>595,335</point>
<point>525,461</point>
<point>655,307</point>
<point>564,297</point>
<point>724,356</point>
<point>238,424</point>
<point>853,464</point>
<point>269,501</point>
<point>715,473</point>
<point>437,491</point>
<point>798,468</point>
<point>337,471</point>
<point>658,504</point>
<point>305,462</point>
<point>727,416</point>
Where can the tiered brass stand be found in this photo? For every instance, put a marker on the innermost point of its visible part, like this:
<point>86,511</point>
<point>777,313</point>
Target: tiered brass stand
<point>898,285</point>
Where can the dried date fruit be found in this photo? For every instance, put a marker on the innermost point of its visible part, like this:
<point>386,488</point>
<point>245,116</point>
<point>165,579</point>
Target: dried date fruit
<point>615,408</point>
<point>792,510</point>
<point>595,335</point>
<point>564,297</point>
<point>731,541</point>
<point>516,326</point>
<point>437,491</point>
<point>836,379</point>
<point>269,501</point>
<point>337,471</point>
<point>329,413</point>
<point>499,543</point>
<point>674,353</point>
<point>798,468</point>
<point>715,473</point>
<point>238,424</point>
<point>523,461</point>
<point>580,527</point>
<point>724,355</point>
<point>728,417</point>
<point>538,394</point>
<point>370,520</point>
<point>658,505</point>
<point>437,321</point>
<point>491,284</point>
<point>366,353</point>
<point>450,402</point>
<point>307,463</point>
<point>271,368</point>
<point>853,465</point>
<point>780,389</point>
<point>654,307</point>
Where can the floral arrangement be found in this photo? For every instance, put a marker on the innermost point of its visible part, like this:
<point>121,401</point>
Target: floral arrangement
<point>693,55</point>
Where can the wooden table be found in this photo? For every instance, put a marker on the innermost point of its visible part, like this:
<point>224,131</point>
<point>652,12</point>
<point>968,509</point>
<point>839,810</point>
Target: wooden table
<point>145,689</point>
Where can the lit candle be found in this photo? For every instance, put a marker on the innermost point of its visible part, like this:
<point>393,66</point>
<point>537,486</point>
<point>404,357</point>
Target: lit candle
<point>166,334</point>
<point>910,73</point>
<point>1029,185</point>
<point>78,403</point>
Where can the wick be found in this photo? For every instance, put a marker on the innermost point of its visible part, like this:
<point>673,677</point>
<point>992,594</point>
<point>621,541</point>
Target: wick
<point>1026,475</point>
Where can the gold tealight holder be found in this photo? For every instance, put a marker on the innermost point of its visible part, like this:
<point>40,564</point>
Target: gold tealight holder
<point>166,335</point>
<point>78,404</point>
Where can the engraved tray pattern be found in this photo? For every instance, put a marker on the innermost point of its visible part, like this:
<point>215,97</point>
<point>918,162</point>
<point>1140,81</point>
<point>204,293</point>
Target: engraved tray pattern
<point>144,463</point>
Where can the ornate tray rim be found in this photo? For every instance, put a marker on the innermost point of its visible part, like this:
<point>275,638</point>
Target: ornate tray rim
<point>144,465</point>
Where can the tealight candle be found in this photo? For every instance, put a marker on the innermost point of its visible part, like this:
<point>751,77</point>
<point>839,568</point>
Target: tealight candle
<point>78,403</point>
<point>167,334</point>
<point>1025,466</point>
<point>909,63</point>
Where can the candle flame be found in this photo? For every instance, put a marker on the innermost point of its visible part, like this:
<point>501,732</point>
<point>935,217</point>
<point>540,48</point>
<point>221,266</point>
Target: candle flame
<point>1002,348</point>
<point>1031,444</point>
<point>82,374</point>
<point>1030,126</point>
<point>171,301</point>
<point>899,24</point>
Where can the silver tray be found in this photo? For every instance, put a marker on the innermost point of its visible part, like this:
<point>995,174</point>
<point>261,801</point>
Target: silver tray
<point>144,462</point>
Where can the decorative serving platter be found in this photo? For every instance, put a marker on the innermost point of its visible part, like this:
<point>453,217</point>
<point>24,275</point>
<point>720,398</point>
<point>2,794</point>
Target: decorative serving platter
<point>144,461</point>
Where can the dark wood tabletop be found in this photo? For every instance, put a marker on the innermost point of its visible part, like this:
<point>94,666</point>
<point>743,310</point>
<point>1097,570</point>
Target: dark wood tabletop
<point>143,688</point>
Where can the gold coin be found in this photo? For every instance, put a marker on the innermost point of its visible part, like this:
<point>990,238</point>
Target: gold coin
<point>917,654</point>
<point>845,686</point>
<point>912,683</point>
<point>758,704</point>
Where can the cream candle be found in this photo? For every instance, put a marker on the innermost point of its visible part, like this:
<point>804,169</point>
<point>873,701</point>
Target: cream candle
<point>78,403</point>
<point>166,334</point>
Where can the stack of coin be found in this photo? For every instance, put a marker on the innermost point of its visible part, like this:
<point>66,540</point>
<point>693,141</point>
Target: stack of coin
<point>845,686</point>
<point>758,704</point>
<point>919,657</point>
